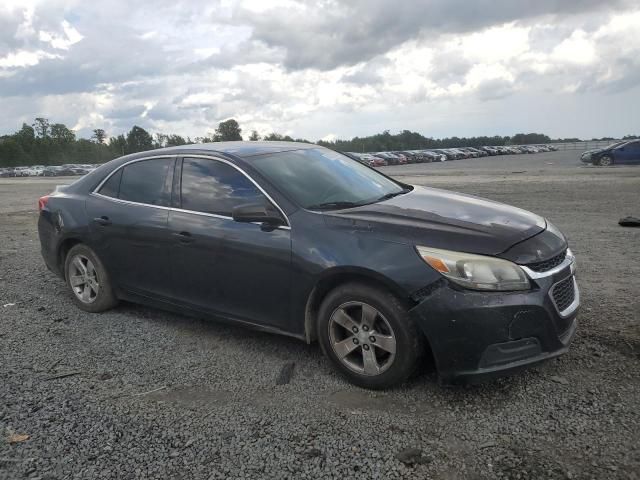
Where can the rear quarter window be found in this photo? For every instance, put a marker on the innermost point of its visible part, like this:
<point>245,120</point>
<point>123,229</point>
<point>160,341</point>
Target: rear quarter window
<point>111,187</point>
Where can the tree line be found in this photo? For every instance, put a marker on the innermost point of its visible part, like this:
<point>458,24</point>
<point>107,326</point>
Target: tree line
<point>46,143</point>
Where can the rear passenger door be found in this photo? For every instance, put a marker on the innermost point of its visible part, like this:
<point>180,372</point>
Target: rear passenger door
<point>128,223</point>
<point>237,270</point>
<point>628,153</point>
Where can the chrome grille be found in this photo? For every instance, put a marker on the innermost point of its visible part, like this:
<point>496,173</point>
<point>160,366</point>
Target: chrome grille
<point>549,264</point>
<point>564,293</point>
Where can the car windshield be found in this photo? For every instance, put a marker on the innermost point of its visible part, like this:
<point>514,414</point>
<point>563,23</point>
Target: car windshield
<point>614,145</point>
<point>321,179</point>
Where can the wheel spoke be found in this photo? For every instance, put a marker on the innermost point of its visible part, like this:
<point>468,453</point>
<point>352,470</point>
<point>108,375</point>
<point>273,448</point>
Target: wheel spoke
<point>77,262</point>
<point>76,280</point>
<point>343,319</point>
<point>369,315</point>
<point>386,343</point>
<point>93,284</point>
<point>91,270</point>
<point>345,347</point>
<point>86,293</point>
<point>370,362</point>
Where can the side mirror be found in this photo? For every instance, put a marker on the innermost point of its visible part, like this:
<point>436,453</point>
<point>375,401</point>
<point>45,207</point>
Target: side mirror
<point>257,212</point>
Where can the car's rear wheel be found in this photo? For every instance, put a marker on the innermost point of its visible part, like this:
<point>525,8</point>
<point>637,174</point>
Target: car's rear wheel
<point>605,161</point>
<point>88,280</point>
<point>368,335</point>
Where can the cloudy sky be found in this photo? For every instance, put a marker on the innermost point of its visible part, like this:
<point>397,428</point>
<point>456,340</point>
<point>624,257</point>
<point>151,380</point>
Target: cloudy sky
<point>324,68</point>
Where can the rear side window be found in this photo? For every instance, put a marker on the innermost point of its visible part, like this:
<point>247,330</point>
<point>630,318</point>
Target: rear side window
<point>147,181</point>
<point>214,187</point>
<point>111,188</point>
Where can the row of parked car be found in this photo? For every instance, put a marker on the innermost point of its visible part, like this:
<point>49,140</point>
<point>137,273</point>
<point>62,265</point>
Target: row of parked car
<point>68,170</point>
<point>380,159</point>
<point>377,159</point>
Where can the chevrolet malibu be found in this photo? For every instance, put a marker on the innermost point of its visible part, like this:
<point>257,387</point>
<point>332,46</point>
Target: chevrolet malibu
<point>301,240</point>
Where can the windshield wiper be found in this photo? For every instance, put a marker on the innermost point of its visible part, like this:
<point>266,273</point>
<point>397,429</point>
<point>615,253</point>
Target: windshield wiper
<point>387,196</point>
<point>345,204</point>
<point>333,205</point>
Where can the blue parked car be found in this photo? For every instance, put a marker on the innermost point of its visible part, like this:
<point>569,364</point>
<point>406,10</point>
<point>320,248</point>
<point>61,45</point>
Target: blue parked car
<point>618,153</point>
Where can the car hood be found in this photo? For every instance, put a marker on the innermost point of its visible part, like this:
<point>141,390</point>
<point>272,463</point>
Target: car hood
<point>595,150</point>
<point>442,219</point>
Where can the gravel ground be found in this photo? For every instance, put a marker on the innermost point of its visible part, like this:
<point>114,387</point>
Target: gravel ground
<point>140,393</point>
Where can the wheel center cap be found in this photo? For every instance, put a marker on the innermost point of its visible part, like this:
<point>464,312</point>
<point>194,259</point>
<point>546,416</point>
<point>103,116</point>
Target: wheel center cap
<point>363,337</point>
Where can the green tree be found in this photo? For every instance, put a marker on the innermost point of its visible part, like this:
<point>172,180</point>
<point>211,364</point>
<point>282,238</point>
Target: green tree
<point>277,137</point>
<point>26,137</point>
<point>99,136</point>
<point>41,126</point>
<point>11,153</point>
<point>529,138</point>
<point>138,140</point>
<point>170,140</point>
<point>61,134</point>
<point>254,137</point>
<point>174,140</point>
<point>228,131</point>
<point>160,140</point>
<point>118,145</point>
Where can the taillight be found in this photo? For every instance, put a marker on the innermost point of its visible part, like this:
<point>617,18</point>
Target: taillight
<point>42,202</point>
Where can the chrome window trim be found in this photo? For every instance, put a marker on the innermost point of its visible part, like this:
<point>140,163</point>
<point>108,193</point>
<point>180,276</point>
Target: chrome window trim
<point>95,191</point>
<point>576,299</point>
<point>127,202</point>
<point>569,261</point>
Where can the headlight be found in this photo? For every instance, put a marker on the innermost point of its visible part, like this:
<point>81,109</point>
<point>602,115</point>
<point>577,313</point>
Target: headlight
<point>476,271</point>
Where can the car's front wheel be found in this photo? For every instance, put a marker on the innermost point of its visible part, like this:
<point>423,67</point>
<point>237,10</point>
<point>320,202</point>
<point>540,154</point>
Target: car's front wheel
<point>368,335</point>
<point>605,161</point>
<point>88,280</point>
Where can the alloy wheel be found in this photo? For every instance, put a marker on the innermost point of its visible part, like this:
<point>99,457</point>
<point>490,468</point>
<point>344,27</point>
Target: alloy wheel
<point>83,279</point>
<point>362,338</point>
<point>605,161</point>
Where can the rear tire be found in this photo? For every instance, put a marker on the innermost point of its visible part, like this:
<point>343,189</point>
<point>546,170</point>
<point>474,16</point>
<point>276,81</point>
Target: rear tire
<point>88,280</point>
<point>369,336</point>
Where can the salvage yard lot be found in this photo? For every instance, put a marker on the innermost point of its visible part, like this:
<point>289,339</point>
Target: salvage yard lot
<point>140,393</point>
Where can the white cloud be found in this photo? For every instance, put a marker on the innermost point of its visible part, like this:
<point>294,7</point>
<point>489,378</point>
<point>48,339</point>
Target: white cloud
<point>578,48</point>
<point>495,44</point>
<point>22,58</point>
<point>315,69</point>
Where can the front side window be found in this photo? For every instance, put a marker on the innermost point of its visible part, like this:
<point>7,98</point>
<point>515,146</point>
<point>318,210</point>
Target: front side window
<point>146,182</point>
<point>210,186</point>
<point>318,178</point>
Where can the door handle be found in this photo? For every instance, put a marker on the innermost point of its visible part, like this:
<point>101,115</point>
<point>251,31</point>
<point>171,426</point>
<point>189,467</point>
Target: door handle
<point>184,237</point>
<point>104,221</point>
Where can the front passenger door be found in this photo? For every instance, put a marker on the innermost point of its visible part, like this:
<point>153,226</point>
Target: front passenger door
<point>234,269</point>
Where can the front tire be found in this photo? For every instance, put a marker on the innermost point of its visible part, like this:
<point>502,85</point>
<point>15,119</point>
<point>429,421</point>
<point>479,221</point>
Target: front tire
<point>605,161</point>
<point>88,280</point>
<point>368,335</point>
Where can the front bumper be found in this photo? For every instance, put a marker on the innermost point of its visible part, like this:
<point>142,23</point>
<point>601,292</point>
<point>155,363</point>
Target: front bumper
<point>479,335</point>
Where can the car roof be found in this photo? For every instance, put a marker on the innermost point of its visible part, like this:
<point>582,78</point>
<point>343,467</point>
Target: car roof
<point>239,149</point>
<point>243,151</point>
